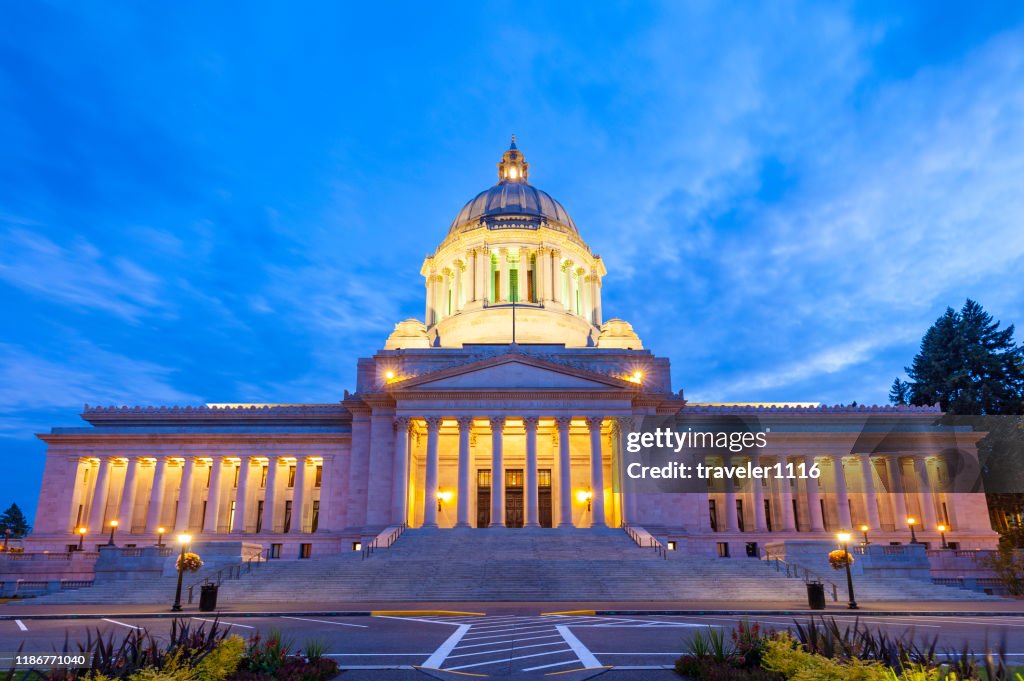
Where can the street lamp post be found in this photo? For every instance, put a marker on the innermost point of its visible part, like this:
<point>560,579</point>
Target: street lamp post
<point>913,534</point>
<point>844,541</point>
<point>183,539</point>
<point>81,537</point>
<point>113,526</point>
<point>942,533</point>
<point>160,536</point>
<point>864,529</point>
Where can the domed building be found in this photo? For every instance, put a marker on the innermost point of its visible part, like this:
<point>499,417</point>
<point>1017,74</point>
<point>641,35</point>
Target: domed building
<point>512,403</point>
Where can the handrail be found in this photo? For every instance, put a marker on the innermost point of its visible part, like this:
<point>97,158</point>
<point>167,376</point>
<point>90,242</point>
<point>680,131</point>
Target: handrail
<point>388,541</point>
<point>793,570</point>
<point>651,543</point>
<point>233,571</point>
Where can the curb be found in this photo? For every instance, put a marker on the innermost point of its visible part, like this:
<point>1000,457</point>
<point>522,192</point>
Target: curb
<point>756,613</point>
<point>230,615</point>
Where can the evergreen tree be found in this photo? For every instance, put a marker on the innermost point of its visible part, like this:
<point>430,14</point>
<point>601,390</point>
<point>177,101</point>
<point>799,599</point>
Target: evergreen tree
<point>899,393</point>
<point>14,520</point>
<point>968,365</point>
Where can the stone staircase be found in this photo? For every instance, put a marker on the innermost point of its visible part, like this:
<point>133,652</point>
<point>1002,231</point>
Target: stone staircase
<point>499,564</point>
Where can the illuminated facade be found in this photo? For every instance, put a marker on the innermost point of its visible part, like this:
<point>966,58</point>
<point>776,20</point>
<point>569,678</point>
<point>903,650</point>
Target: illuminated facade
<point>507,405</point>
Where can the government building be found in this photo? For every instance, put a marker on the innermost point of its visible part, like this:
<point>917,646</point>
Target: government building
<point>507,405</point>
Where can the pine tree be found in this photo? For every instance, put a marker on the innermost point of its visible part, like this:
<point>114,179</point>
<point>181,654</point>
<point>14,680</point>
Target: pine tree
<point>14,520</point>
<point>899,393</point>
<point>968,365</point>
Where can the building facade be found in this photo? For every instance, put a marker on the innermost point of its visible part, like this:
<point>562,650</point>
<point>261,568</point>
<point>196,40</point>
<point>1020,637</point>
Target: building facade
<point>508,405</point>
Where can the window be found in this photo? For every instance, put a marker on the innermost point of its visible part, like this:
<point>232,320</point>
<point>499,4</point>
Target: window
<point>768,515</point>
<point>739,514</point>
<point>85,476</point>
<point>287,516</point>
<point>315,520</point>
<point>291,476</point>
<point>259,516</point>
<point>209,474</point>
<point>202,520</point>
<point>796,516</point>
<point>319,476</point>
<point>513,285</point>
<point>263,477</point>
<point>275,550</point>
<point>723,549</point>
<point>231,518</point>
<point>483,477</point>
<point>671,546</point>
<point>238,470</point>
<point>824,516</point>
<point>513,477</point>
<point>357,546</point>
<point>544,477</point>
<point>713,512</point>
<point>305,550</point>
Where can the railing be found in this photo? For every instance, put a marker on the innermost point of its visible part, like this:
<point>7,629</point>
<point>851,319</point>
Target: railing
<point>66,584</point>
<point>234,571</point>
<point>794,571</point>
<point>647,542</point>
<point>383,543</point>
<point>65,556</point>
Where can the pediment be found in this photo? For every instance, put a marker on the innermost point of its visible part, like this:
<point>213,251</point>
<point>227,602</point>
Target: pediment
<point>513,374</point>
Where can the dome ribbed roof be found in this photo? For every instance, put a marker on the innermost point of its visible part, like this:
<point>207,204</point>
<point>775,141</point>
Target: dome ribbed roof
<point>509,199</point>
<point>512,197</point>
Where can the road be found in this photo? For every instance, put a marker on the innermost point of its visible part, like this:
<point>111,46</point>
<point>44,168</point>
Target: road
<point>408,646</point>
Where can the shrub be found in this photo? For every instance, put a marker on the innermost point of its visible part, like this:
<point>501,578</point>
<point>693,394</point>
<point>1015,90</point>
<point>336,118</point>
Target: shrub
<point>787,657</point>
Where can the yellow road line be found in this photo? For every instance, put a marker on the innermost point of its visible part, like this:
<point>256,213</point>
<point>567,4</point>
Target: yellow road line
<point>570,612</point>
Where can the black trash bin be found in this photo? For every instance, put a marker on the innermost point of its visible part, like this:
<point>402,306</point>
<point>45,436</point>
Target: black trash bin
<point>208,598</point>
<point>815,595</point>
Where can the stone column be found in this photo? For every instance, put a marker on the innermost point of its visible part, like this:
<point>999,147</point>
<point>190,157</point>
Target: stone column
<point>813,498</point>
<point>556,276</point>
<point>532,511</point>
<point>522,267</point>
<point>458,292</point>
<point>430,486</point>
<point>483,270</point>
<point>270,496</point>
<point>428,316</point>
<point>124,514</point>
<point>156,495</point>
<point>564,472</point>
<point>298,495</point>
<point>213,499</point>
<point>241,496</point>
<point>472,289</point>
<point>786,492</point>
<point>497,472</point>
<point>400,480</point>
<point>185,495</point>
<point>760,523</point>
<point>842,497</point>
<point>596,472</point>
<point>627,425</point>
<point>867,471</point>
<point>899,503</point>
<point>99,497</point>
<point>597,300</point>
<point>465,428</point>
<point>924,486</point>
<point>731,520</point>
<point>542,285</point>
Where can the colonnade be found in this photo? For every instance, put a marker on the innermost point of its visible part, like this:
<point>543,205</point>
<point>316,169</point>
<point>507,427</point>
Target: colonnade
<point>557,278</point>
<point>266,504</point>
<point>895,510</point>
<point>497,490</point>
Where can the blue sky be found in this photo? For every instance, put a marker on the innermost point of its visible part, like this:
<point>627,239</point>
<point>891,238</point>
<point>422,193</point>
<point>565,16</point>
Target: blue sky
<point>231,203</point>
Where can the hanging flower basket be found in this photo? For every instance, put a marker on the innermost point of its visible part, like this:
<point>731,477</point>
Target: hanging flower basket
<point>189,562</point>
<point>839,559</point>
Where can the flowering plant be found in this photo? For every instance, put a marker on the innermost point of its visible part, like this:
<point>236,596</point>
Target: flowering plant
<point>189,562</point>
<point>839,559</point>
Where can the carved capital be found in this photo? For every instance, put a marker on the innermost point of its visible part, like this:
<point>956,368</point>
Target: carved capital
<point>433,423</point>
<point>594,422</point>
<point>531,422</point>
<point>497,422</point>
<point>563,422</point>
<point>401,423</point>
<point>465,423</point>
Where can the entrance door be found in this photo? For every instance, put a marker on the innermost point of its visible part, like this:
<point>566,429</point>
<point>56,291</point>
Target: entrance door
<point>544,496</point>
<point>513,497</point>
<point>483,497</point>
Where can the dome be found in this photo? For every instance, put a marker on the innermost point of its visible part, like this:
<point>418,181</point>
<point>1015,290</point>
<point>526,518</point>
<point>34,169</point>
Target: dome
<point>513,197</point>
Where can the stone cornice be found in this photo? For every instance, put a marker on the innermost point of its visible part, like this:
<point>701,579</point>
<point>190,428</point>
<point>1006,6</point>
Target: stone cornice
<point>100,437</point>
<point>218,414</point>
<point>796,409</point>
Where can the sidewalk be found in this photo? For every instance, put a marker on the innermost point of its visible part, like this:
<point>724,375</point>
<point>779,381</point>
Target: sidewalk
<point>25,609</point>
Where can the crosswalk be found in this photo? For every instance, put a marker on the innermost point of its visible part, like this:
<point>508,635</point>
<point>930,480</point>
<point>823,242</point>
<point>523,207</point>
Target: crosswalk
<point>497,645</point>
